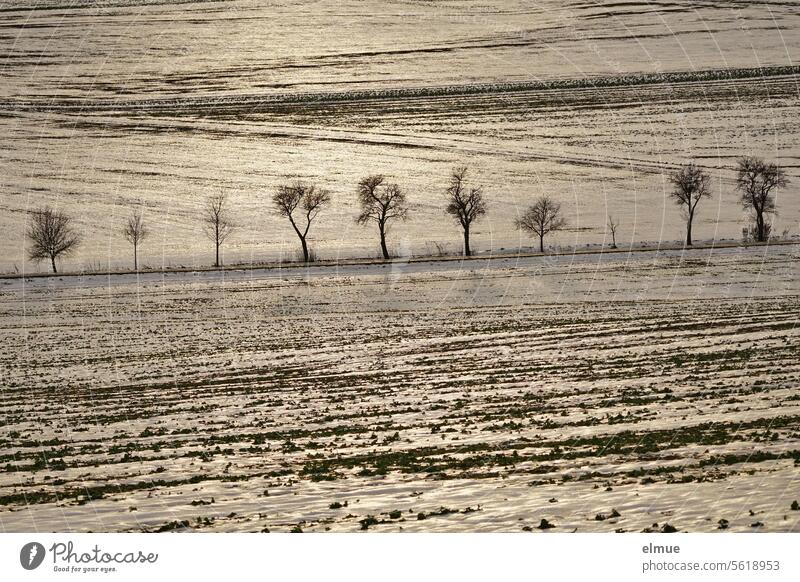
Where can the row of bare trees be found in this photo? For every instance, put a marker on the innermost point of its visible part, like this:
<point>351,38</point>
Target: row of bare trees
<point>756,181</point>
<point>382,202</point>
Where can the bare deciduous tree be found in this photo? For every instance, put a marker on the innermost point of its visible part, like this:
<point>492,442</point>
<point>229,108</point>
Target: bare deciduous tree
<point>51,235</point>
<point>466,205</point>
<point>218,224</point>
<point>542,217</point>
<point>135,231</point>
<point>308,199</point>
<point>380,203</point>
<point>757,180</point>
<point>613,225</point>
<point>690,187</point>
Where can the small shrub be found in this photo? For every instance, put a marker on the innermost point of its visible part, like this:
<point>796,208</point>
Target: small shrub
<point>368,521</point>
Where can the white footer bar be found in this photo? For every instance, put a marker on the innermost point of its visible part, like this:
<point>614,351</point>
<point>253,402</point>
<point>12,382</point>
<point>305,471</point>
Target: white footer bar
<point>399,557</point>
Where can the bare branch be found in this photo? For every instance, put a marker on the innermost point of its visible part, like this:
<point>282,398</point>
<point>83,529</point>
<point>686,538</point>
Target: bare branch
<point>757,180</point>
<point>464,204</point>
<point>543,217</point>
<point>613,225</point>
<point>309,199</point>
<point>313,202</point>
<point>690,185</point>
<point>380,205</point>
<point>135,230</point>
<point>218,225</point>
<point>51,235</point>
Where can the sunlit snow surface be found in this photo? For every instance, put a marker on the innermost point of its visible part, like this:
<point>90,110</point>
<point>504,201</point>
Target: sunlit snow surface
<point>448,396</point>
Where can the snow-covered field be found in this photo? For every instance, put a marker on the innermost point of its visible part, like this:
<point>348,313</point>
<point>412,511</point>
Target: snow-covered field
<point>629,391</point>
<point>597,392</point>
<point>598,149</point>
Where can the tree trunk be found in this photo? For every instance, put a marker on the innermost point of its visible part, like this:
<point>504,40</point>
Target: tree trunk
<point>135,258</point>
<point>305,249</point>
<point>467,251</point>
<point>216,241</point>
<point>541,243</point>
<point>384,250</point>
<point>53,262</point>
<point>760,227</point>
<point>689,231</point>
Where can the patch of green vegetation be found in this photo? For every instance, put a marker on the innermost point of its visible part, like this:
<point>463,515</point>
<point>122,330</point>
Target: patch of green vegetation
<point>173,525</point>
